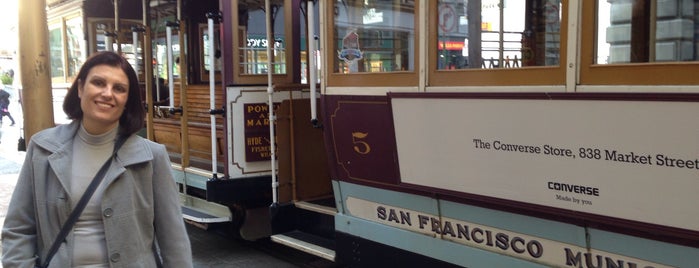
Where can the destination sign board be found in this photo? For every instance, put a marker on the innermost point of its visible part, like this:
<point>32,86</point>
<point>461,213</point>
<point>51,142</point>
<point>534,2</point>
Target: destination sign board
<point>257,139</point>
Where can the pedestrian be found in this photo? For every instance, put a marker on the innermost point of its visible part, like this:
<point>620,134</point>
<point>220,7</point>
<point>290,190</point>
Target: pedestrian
<point>133,219</point>
<point>5,106</point>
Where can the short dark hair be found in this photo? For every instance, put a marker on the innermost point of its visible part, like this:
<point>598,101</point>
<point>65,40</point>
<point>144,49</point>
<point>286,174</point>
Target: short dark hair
<point>131,120</point>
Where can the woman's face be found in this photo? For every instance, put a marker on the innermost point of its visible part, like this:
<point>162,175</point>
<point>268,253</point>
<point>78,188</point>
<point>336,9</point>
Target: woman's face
<point>103,97</point>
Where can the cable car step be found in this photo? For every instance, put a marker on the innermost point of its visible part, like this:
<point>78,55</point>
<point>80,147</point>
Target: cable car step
<point>202,211</point>
<point>309,243</point>
<point>316,207</point>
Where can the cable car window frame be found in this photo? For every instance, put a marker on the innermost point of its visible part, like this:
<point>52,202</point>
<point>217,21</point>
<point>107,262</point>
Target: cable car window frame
<point>674,73</point>
<point>290,44</point>
<point>534,75</point>
<point>125,38</point>
<point>363,79</point>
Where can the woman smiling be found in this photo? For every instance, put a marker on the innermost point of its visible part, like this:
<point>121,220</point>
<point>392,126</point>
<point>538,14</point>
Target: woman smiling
<point>133,218</point>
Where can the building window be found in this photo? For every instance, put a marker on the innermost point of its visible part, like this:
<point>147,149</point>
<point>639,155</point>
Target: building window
<point>58,69</point>
<point>66,47</point>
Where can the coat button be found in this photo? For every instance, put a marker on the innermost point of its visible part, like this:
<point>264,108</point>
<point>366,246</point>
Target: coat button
<point>115,257</point>
<point>108,212</point>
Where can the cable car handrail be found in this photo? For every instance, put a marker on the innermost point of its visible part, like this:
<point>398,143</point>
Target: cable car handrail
<point>270,93</point>
<point>170,64</point>
<point>211,16</point>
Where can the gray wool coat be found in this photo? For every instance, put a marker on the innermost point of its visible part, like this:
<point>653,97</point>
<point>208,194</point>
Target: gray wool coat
<point>140,205</point>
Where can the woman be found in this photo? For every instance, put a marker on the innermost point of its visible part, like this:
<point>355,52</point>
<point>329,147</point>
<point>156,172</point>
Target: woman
<point>136,207</point>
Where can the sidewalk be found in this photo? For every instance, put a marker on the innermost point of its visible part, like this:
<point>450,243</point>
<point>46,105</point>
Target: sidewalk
<point>10,163</point>
<point>10,159</point>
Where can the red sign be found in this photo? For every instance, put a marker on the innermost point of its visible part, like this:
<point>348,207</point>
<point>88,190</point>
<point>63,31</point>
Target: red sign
<point>450,45</point>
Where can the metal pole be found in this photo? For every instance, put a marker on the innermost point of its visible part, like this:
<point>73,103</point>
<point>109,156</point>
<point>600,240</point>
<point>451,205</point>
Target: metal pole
<point>501,34</point>
<point>157,76</point>
<point>270,94</point>
<point>108,41</point>
<point>179,10</point>
<point>33,51</point>
<point>117,29</point>
<point>170,63</point>
<point>310,11</point>
<point>212,90</point>
<point>183,109</point>
<point>135,35</point>
<point>148,68</point>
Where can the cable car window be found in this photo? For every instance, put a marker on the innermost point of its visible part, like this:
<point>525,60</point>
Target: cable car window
<point>103,37</point>
<point>304,43</point>
<point>205,44</point>
<point>160,55</point>
<point>205,47</point>
<point>498,34</point>
<point>252,34</point>
<point>639,31</point>
<point>630,42</point>
<point>374,36</point>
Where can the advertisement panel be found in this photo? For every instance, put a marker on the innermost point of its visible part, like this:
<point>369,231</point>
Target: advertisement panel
<point>636,160</point>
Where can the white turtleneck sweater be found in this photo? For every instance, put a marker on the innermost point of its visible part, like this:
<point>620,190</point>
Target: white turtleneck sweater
<point>89,153</point>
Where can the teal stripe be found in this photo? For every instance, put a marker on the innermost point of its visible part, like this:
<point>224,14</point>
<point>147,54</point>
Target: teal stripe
<point>426,245</point>
<point>645,249</point>
<point>178,175</point>
<point>192,180</point>
<point>412,202</point>
<point>196,181</point>
<point>624,245</point>
<point>551,230</point>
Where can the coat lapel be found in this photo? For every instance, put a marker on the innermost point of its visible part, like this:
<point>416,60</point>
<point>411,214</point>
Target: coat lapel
<point>59,142</point>
<point>133,151</point>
